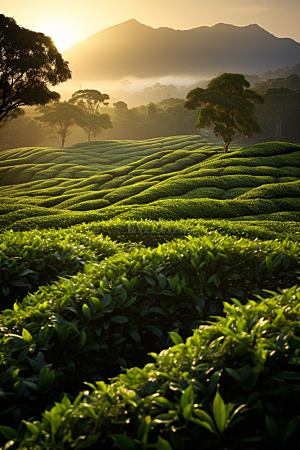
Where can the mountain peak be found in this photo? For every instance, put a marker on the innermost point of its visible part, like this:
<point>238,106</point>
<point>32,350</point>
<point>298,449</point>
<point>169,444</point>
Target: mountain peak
<point>132,49</point>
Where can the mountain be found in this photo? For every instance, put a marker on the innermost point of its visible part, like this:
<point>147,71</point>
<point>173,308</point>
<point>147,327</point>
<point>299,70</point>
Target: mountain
<point>131,49</point>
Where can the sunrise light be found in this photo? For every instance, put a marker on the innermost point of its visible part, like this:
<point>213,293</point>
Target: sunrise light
<point>62,33</point>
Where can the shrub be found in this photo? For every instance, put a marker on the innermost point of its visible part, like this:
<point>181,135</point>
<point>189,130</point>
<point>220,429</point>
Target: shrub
<point>238,370</point>
<point>35,258</point>
<point>88,325</point>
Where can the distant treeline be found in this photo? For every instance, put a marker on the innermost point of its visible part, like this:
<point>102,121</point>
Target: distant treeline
<point>279,118</point>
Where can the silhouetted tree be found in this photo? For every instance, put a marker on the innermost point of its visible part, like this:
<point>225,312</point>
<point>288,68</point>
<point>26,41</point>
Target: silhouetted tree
<point>227,104</point>
<point>151,109</point>
<point>91,120</point>
<point>29,64</point>
<point>13,114</point>
<point>62,117</point>
<point>281,109</point>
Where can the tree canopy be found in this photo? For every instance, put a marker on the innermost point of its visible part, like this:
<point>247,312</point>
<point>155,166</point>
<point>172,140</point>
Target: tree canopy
<point>281,109</point>
<point>29,64</point>
<point>89,102</point>
<point>228,104</point>
<point>290,82</point>
<point>62,117</point>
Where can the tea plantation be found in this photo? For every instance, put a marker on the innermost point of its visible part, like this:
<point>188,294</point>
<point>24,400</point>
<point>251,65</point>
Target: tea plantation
<point>150,296</point>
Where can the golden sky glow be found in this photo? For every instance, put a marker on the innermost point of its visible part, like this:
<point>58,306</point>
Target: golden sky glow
<point>62,32</point>
<point>71,21</point>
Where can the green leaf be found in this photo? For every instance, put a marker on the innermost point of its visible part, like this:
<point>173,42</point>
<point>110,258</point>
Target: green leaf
<point>66,402</point>
<point>219,411</point>
<point>33,429</point>
<point>26,336</point>
<point>162,401</point>
<point>176,338</point>
<point>97,303</point>
<point>119,319</point>
<point>155,330</point>
<point>290,428</point>
<point>135,335</point>
<point>86,311</point>
<point>123,442</point>
<point>187,397</point>
<point>106,300</point>
<point>25,272</point>
<point>187,411</point>
<point>203,424</point>
<point>204,416</point>
<point>162,444</point>
<point>269,263</point>
<point>8,432</point>
<point>272,428</point>
<point>83,339</point>
<point>162,280</point>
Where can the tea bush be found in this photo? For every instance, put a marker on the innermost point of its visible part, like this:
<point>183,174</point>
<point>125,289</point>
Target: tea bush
<point>234,383</point>
<point>84,327</point>
<point>35,258</point>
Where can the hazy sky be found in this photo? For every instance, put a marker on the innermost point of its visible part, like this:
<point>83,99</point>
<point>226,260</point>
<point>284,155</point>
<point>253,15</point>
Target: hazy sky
<point>71,21</point>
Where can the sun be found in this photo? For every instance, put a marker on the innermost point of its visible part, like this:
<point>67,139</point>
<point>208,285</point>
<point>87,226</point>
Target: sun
<point>62,33</point>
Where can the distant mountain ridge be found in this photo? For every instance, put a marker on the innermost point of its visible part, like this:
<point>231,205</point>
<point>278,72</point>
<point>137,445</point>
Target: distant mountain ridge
<point>132,49</point>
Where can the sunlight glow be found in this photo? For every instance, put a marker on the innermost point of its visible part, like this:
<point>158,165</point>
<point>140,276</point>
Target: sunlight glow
<point>62,33</point>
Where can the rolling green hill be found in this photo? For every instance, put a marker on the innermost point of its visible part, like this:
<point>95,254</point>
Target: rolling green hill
<point>172,178</point>
<point>169,242</point>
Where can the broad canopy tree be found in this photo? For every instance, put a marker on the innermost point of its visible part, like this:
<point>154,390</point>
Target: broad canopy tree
<point>62,117</point>
<point>89,101</point>
<point>228,105</point>
<point>29,64</point>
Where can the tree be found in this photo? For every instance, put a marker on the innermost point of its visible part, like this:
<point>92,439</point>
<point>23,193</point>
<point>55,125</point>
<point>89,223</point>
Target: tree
<point>61,116</point>
<point>226,103</point>
<point>281,109</point>
<point>151,109</point>
<point>91,120</point>
<point>13,114</point>
<point>29,64</point>
<point>290,82</point>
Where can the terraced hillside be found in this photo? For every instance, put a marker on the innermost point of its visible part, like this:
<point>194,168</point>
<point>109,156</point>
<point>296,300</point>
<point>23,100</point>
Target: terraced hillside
<point>171,178</point>
<point>80,300</point>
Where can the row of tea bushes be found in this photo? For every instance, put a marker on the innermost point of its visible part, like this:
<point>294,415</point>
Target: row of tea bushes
<point>23,216</point>
<point>29,164</point>
<point>35,258</point>
<point>116,311</point>
<point>258,180</point>
<point>234,383</point>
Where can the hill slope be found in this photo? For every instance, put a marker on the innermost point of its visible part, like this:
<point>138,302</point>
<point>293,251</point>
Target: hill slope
<point>175,178</point>
<point>137,50</point>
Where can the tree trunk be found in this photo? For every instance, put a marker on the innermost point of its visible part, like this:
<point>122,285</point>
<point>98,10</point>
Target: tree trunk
<point>63,141</point>
<point>226,145</point>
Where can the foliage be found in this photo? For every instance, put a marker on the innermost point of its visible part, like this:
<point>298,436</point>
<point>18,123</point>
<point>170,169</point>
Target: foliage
<point>84,326</point>
<point>281,107</point>
<point>30,63</point>
<point>290,82</point>
<point>227,104</point>
<point>83,303</point>
<point>238,370</point>
<point>90,120</point>
<point>61,116</point>
<point>33,259</point>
